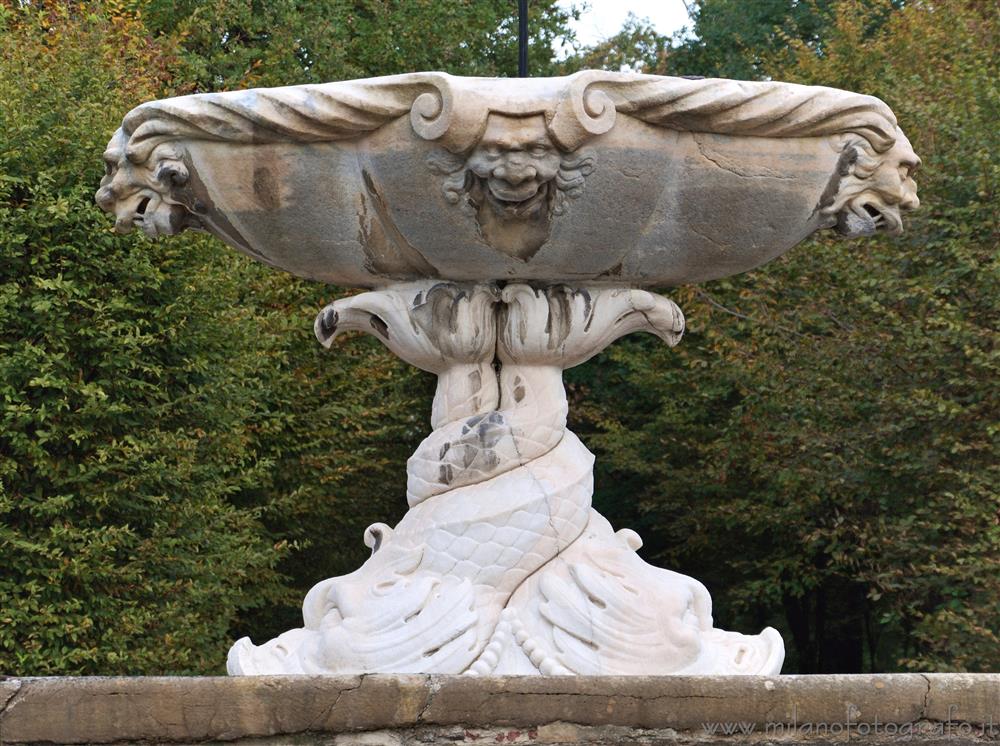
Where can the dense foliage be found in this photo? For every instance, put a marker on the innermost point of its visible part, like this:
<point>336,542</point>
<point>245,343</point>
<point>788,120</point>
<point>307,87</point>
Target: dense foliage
<point>128,389</point>
<point>179,462</point>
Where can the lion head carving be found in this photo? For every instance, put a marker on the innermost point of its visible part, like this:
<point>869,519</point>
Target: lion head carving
<point>146,195</point>
<point>872,189</point>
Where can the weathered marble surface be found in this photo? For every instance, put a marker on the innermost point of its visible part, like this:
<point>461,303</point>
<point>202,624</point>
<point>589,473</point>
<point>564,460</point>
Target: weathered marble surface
<point>412,710</point>
<point>507,225</point>
<point>620,178</point>
<point>501,566</point>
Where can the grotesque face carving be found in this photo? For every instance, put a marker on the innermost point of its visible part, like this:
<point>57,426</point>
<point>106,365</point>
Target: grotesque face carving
<point>514,180</point>
<point>516,162</point>
<point>871,190</point>
<point>145,195</point>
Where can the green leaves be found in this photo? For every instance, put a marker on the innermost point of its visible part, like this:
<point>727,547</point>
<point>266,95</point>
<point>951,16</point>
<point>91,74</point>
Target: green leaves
<point>123,418</point>
<point>224,44</point>
<point>170,433</point>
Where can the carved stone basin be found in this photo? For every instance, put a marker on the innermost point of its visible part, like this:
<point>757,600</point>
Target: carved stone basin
<point>604,177</point>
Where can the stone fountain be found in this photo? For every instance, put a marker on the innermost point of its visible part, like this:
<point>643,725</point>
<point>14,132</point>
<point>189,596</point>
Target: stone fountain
<point>506,229</point>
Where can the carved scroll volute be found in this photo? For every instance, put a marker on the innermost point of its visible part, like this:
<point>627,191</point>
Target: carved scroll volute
<point>582,112</point>
<point>454,121</point>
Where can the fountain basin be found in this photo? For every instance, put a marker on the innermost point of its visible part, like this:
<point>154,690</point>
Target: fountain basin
<point>602,177</point>
<point>506,226</point>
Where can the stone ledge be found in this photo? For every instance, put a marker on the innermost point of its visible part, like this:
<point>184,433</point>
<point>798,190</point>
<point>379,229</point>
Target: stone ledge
<point>386,709</point>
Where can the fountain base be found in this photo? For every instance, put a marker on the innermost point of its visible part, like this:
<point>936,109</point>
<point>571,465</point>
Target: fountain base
<point>501,566</point>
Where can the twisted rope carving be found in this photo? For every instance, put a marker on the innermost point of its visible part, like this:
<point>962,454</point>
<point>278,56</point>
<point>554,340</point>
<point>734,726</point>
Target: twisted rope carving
<point>453,111</point>
<point>487,424</point>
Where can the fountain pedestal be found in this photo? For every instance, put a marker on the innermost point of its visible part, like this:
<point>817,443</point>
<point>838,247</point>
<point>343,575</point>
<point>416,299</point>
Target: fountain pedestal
<point>501,566</point>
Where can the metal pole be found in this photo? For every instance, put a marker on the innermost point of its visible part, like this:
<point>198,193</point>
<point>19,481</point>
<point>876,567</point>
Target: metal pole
<point>522,38</point>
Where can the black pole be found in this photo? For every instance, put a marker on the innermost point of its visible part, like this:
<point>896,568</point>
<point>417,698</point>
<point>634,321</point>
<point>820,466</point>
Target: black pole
<point>522,38</point>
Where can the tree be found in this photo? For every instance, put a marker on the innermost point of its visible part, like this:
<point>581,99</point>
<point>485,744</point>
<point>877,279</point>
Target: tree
<point>225,44</point>
<point>128,385</point>
<point>637,47</point>
<point>730,38</point>
<point>936,581</point>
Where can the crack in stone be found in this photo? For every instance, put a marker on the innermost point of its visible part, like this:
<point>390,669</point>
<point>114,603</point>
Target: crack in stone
<point>927,694</point>
<point>604,695</point>
<point>720,162</point>
<point>433,688</point>
<point>9,702</point>
<point>704,235</point>
<point>322,717</point>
